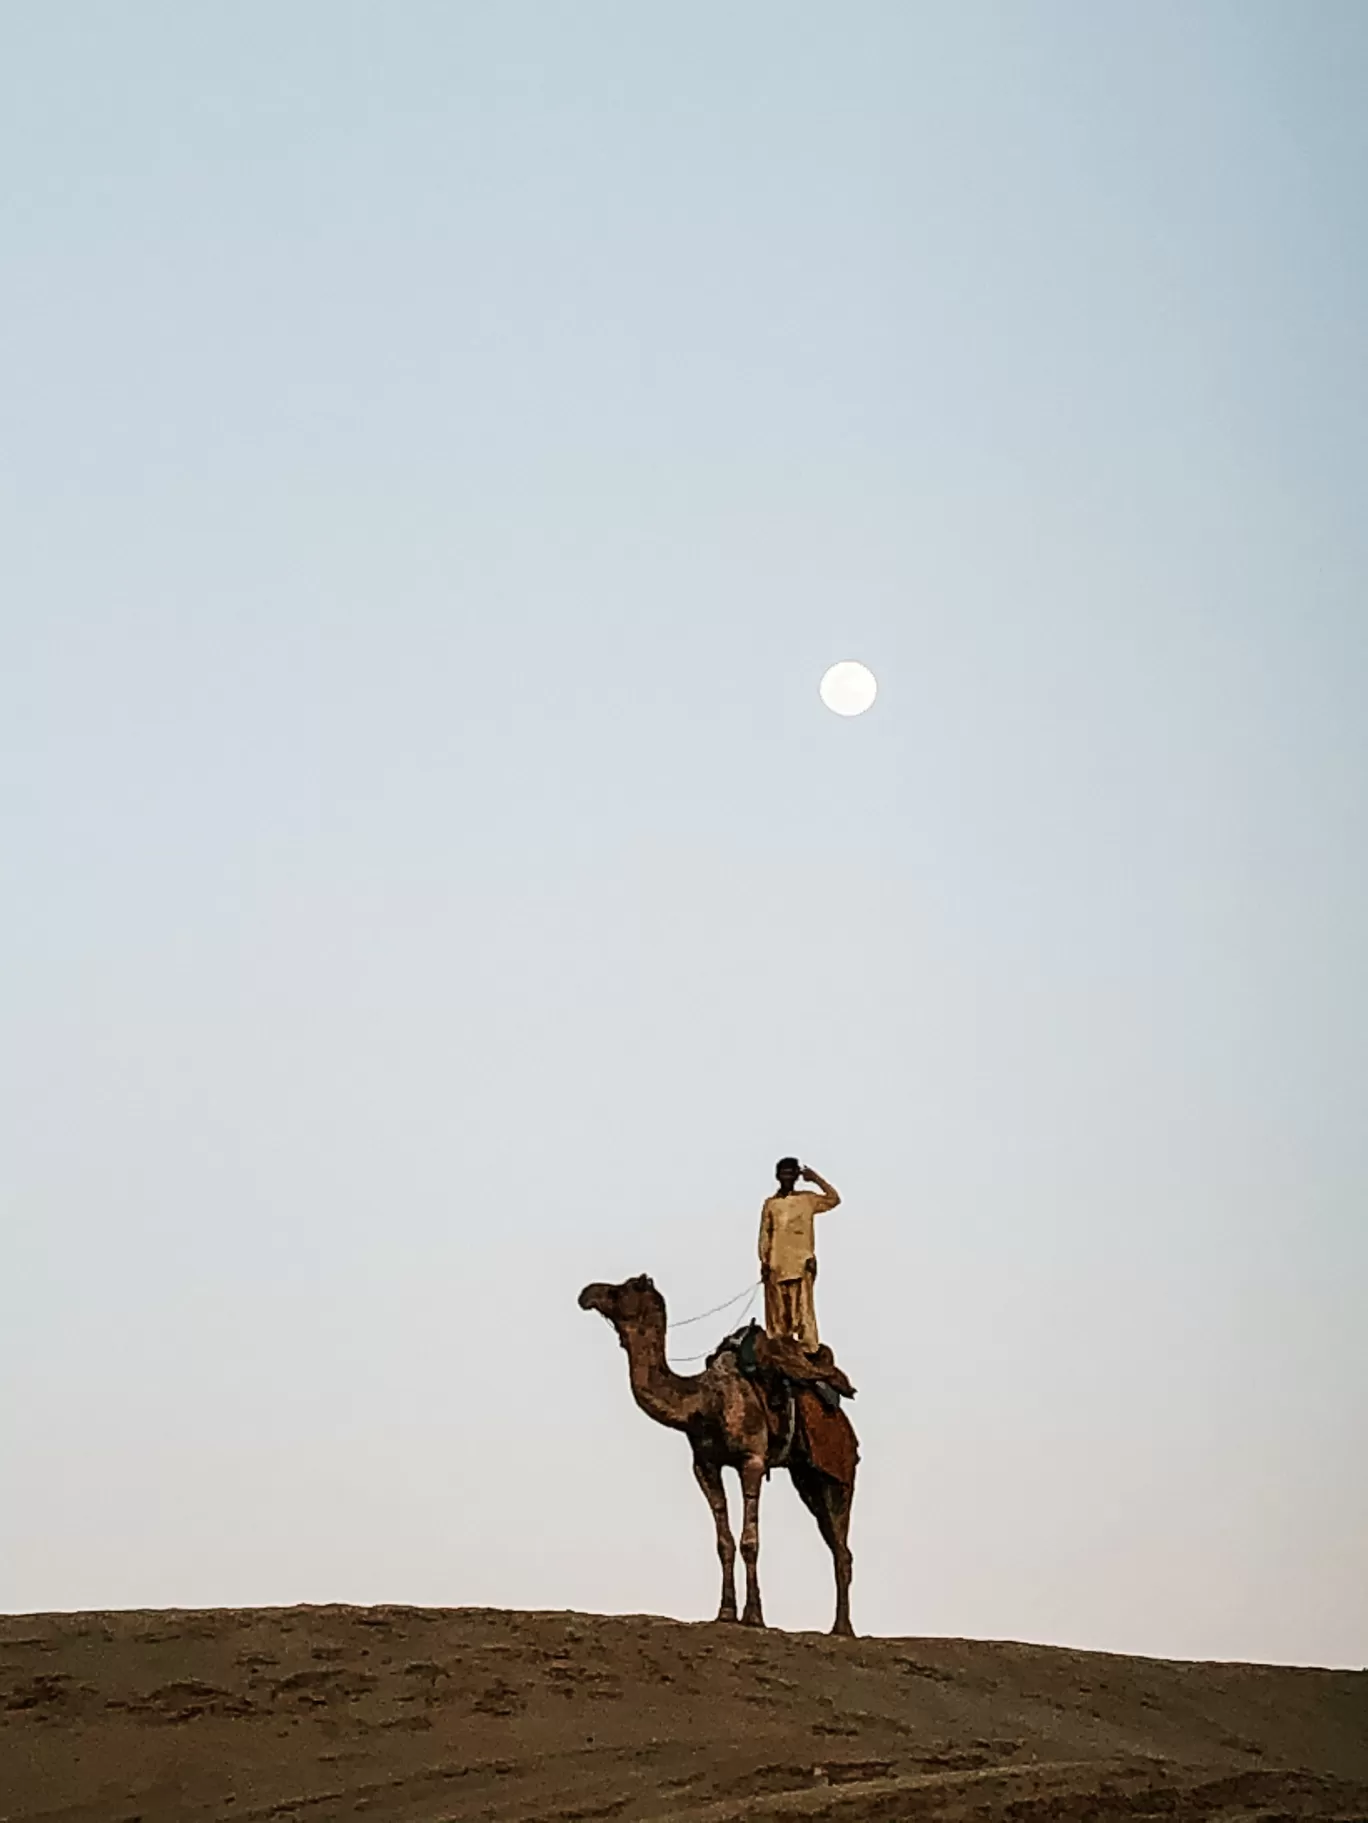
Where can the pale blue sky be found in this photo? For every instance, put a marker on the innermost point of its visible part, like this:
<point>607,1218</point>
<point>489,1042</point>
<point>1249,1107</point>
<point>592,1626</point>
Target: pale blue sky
<point>442,448</point>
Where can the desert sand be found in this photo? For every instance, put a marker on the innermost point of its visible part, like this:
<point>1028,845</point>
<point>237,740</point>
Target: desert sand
<point>315,1713</point>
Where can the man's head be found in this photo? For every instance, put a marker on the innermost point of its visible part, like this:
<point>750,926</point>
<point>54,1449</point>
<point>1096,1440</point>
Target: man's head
<point>787,1173</point>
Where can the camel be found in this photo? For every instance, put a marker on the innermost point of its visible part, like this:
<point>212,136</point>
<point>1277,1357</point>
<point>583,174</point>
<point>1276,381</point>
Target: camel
<point>726,1419</point>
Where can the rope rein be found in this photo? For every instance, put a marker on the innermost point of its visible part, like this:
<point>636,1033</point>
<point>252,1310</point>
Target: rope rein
<point>688,1360</point>
<point>684,1322</point>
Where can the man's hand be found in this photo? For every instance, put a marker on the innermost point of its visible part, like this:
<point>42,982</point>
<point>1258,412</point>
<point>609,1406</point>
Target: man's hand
<point>830,1197</point>
<point>808,1175</point>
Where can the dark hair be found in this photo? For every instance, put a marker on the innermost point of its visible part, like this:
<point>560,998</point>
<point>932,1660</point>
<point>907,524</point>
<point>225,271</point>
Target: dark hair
<point>784,1163</point>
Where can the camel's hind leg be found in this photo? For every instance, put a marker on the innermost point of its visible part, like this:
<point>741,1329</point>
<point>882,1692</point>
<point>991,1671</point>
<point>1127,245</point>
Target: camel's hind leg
<point>709,1478</point>
<point>752,1480</point>
<point>829,1502</point>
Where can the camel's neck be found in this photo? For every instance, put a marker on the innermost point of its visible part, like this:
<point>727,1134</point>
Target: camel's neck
<point>664,1395</point>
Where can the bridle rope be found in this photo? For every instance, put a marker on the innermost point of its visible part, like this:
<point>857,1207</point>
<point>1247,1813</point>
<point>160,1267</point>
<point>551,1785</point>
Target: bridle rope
<point>688,1360</point>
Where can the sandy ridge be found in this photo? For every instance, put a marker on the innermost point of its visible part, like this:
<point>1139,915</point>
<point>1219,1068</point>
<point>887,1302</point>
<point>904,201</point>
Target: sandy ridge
<point>434,1715</point>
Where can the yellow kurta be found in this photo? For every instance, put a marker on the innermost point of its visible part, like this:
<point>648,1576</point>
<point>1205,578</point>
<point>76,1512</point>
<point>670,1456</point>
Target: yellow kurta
<point>788,1259</point>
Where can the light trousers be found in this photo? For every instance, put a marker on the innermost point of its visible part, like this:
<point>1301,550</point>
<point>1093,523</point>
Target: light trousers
<point>791,1309</point>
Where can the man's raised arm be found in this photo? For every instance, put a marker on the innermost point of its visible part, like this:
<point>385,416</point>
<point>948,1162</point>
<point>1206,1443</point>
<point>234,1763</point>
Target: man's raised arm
<point>829,1197</point>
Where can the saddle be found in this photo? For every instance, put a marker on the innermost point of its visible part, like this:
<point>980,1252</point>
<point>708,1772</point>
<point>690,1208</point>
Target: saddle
<point>799,1391</point>
<point>764,1357</point>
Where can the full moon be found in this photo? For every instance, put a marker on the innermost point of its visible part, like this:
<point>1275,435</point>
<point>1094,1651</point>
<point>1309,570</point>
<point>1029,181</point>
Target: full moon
<point>849,688</point>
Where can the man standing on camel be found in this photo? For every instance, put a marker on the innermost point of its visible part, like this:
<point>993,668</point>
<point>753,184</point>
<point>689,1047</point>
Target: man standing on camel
<point>788,1252</point>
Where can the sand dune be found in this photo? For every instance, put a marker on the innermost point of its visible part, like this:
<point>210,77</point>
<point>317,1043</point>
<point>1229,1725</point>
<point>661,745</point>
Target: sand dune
<point>410,1714</point>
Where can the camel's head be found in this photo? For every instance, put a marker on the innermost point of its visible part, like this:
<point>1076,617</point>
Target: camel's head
<point>634,1301</point>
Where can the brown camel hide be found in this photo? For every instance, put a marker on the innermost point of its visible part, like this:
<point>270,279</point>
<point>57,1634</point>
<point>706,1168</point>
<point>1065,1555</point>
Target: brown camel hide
<point>728,1417</point>
<point>828,1437</point>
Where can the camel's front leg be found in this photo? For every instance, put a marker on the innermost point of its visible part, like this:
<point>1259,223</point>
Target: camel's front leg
<point>752,1479</point>
<point>709,1478</point>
